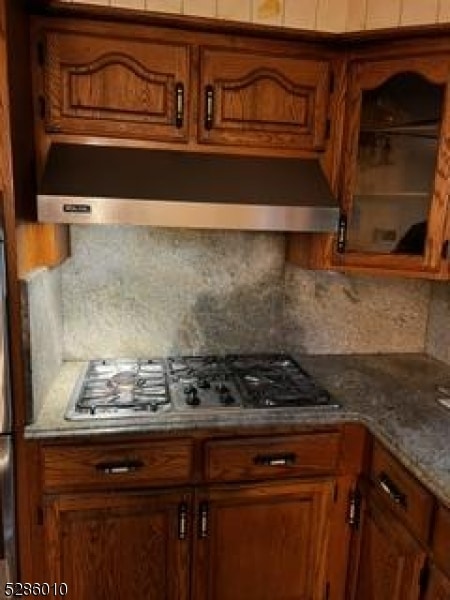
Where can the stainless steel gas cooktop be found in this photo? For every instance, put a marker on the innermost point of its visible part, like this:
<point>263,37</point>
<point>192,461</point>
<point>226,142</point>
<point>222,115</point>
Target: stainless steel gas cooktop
<point>134,388</point>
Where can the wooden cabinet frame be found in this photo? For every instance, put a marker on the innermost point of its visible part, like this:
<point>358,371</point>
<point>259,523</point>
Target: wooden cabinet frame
<point>367,67</point>
<point>368,75</point>
<point>198,510</point>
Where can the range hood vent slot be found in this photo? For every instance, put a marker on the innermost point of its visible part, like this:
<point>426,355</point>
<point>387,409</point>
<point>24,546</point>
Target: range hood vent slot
<point>102,184</point>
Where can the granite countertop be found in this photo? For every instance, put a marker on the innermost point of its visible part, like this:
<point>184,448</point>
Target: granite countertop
<point>394,395</point>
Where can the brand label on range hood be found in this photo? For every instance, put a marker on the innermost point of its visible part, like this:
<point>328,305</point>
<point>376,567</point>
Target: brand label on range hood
<point>77,208</point>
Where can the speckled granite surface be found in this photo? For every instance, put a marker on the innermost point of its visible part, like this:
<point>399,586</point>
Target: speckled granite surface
<point>142,291</point>
<point>42,330</point>
<point>334,312</point>
<point>394,395</point>
<point>438,331</point>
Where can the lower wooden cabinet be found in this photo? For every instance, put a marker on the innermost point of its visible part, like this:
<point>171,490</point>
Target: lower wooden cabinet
<point>119,546</point>
<point>263,517</point>
<point>240,542</point>
<point>263,542</point>
<point>390,558</point>
<point>438,587</point>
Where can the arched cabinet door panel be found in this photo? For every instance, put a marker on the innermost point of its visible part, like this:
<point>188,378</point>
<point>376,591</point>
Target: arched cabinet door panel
<point>395,166</point>
<point>263,99</point>
<point>99,83</point>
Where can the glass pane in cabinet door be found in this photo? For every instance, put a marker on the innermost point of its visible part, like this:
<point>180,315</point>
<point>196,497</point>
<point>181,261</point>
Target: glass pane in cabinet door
<point>397,153</point>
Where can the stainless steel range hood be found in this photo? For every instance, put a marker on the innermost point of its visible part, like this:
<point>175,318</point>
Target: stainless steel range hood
<point>96,184</point>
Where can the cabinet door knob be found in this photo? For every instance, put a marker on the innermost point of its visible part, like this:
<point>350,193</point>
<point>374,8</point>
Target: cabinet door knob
<point>179,105</point>
<point>209,106</point>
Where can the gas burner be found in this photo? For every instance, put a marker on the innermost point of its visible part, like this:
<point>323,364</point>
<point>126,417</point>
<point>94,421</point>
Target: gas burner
<point>202,382</point>
<point>121,388</point>
<point>277,381</point>
<point>197,366</point>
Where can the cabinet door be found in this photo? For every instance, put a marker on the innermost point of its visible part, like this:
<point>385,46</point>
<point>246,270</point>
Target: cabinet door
<point>263,100</point>
<point>101,83</point>
<point>395,165</point>
<point>438,586</point>
<point>261,542</point>
<point>119,546</point>
<point>390,560</point>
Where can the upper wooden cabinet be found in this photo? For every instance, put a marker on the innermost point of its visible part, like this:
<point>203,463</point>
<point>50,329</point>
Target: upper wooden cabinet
<point>263,99</point>
<point>167,87</point>
<point>395,165</point>
<point>106,84</point>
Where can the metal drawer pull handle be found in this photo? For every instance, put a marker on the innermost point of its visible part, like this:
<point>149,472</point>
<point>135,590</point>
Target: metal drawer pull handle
<point>179,105</point>
<point>119,468</point>
<point>182,521</point>
<point>275,460</point>
<point>203,520</point>
<point>209,102</point>
<point>389,487</point>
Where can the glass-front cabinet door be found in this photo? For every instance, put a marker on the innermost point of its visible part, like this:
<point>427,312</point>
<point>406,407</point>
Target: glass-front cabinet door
<point>395,166</point>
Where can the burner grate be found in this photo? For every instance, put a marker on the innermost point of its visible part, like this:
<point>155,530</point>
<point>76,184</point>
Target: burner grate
<point>122,388</point>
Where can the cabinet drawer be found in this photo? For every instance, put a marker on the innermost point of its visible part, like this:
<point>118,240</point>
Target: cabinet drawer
<point>441,539</point>
<point>265,457</point>
<point>409,500</point>
<point>125,465</point>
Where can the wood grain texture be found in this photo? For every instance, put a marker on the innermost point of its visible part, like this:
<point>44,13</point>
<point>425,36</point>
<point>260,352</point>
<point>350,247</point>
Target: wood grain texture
<point>441,539</point>
<point>390,559</point>
<point>437,217</point>
<point>419,503</point>
<point>40,245</point>
<point>17,186</point>
<point>79,467</point>
<point>250,551</point>
<point>240,459</point>
<point>438,586</point>
<point>83,104</point>
<point>112,547</point>
<point>264,99</point>
<point>368,75</point>
<point>315,251</point>
<point>106,85</point>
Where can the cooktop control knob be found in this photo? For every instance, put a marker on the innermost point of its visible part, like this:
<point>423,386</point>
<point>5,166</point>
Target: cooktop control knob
<point>204,384</point>
<point>192,397</point>
<point>227,400</point>
<point>222,389</point>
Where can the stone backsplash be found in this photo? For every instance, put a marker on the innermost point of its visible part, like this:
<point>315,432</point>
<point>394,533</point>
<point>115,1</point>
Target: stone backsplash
<point>139,291</point>
<point>335,313</point>
<point>152,292</point>
<point>42,332</point>
<point>438,333</point>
